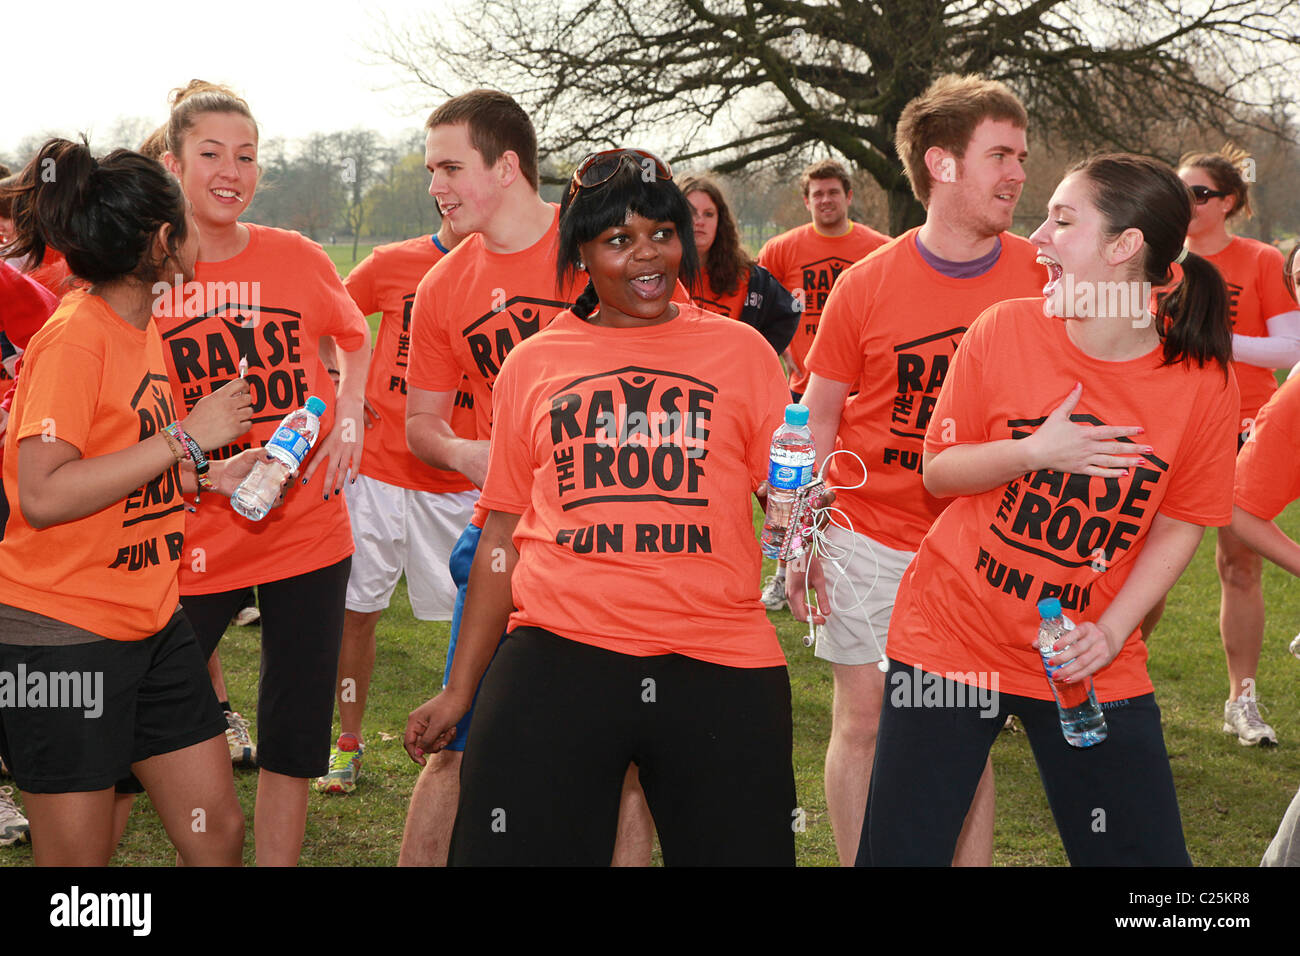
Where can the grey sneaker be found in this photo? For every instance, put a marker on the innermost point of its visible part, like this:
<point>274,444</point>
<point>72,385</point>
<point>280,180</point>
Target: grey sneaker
<point>1241,717</point>
<point>773,596</point>
<point>242,751</point>
<point>13,825</point>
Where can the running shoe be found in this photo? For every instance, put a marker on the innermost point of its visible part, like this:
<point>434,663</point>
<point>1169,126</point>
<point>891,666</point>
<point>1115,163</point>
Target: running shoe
<point>13,825</point>
<point>242,751</point>
<point>1241,717</point>
<point>773,596</point>
<point>345,766</point>
<point>247,615</point>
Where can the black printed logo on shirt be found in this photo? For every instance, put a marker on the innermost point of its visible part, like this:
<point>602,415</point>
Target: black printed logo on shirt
<point>632,435</point>
<point>152,403</point>
<point>1074,521</point>
<point>492,335</point>
<point>816,280</point>
<point>922,367</point>
<point>206,355</point>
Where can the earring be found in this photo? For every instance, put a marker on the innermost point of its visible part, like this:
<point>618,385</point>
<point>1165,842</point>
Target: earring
<point>581,266</point>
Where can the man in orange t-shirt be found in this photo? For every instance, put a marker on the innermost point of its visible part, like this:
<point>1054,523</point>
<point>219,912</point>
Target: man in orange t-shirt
<point>808,259</point>
<point>892,324</point>
<point>495,289</point>
<point>405,515</point>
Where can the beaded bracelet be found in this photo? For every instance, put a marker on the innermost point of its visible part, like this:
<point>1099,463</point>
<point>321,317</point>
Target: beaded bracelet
<point>196,455</point>
<point>177,451</point>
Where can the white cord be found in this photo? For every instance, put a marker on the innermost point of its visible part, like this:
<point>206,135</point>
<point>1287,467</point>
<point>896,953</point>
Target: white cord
<point>837,556</point>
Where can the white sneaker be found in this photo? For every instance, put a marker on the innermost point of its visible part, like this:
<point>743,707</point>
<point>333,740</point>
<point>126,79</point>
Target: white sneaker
<point>13,825</point>
<point>1241,717</point>
<point>247,615</point>
<point>773,596</point>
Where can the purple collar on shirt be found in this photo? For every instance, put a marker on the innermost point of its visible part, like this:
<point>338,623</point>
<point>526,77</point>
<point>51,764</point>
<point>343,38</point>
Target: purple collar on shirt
<point>960,270</point>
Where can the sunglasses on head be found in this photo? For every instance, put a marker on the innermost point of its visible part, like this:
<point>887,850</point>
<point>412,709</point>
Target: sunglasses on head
<point>1204,194</point>
<point>599,168</point>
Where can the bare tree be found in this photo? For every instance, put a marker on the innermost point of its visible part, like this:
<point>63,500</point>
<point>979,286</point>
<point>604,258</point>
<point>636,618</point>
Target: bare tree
<point>734,83</point>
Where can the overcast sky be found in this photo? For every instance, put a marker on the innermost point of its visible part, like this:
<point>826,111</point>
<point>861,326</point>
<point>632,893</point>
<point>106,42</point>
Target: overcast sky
<point>81,64</point>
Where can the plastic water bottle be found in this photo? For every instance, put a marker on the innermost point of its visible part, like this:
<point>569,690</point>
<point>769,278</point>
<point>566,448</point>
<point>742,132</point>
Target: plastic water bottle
<point>790,466</point>
<point>288,447</point>
<point>1082,721</point>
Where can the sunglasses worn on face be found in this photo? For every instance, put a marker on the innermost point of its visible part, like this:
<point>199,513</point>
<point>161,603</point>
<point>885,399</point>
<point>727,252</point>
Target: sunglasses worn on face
<point>599,168</point>
<point>1204,194</point>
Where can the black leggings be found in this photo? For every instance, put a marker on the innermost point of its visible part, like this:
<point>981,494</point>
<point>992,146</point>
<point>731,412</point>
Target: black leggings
<point>302,629</point>
<point>558,722</point>
<point>1114,803</point>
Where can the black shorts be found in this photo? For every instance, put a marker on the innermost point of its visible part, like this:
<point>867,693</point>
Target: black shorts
<point>1114,803</point>
<point>121,702</point>
<point>557,724</point>
<point>302,629</point>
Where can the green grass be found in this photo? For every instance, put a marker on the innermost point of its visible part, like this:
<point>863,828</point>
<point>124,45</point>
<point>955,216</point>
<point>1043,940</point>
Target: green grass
<point>1232,797</point>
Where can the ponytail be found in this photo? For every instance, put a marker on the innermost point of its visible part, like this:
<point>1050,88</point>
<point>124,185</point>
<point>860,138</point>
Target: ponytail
<point>102,215</point>
<point>587,302</point>
<point>1192,318</point>
<point>1136,192</point>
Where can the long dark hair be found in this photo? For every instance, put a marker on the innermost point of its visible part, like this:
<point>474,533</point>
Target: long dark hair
<point>101,214</point>
<point>587,213</point>
<point>1134,192</point>
<point>726,262</point>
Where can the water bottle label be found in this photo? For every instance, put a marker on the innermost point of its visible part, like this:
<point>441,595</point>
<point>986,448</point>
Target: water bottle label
<point>287,442</point>
<point>788,477</point>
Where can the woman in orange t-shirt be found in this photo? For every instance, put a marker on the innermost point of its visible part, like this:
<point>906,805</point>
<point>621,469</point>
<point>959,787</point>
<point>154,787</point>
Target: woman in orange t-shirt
<point>628,439</point>
<point>1099,501</point>
<point>731,283</point>
<point>88,569</point>
<point>262,300</point>
<point>1266,336</point>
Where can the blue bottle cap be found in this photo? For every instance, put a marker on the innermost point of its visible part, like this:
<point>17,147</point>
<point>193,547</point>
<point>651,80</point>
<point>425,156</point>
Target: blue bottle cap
<point>1049,608</point>
<point>316,406</point>
<point>796,414</point>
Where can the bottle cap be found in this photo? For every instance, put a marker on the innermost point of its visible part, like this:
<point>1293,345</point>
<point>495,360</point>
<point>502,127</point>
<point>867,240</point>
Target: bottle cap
<point>1049,608</point>
<point>796,414</point>
<point>316,406</point>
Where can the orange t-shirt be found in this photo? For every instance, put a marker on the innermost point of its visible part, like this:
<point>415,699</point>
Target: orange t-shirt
<point>270,303</point>
<point>477,306</point>
<point>968,601</point>
<point>892,325</point>
<point>385,282</point>
<point>100,384</point>
<point>722,303</point>
<point>808,264</point>
<point>1267,478</point>
<point>1252,271</point>
<point>632,456</point>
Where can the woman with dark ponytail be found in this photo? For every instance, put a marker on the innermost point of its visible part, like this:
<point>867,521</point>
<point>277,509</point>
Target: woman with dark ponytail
<point>731,283</point>
<point>1087,444</point>
<point>94,467</point>
<point>1265,328</point>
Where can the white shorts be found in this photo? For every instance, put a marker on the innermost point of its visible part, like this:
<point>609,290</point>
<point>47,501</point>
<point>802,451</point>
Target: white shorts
<point>395,530</point>
<point>862,578</point>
